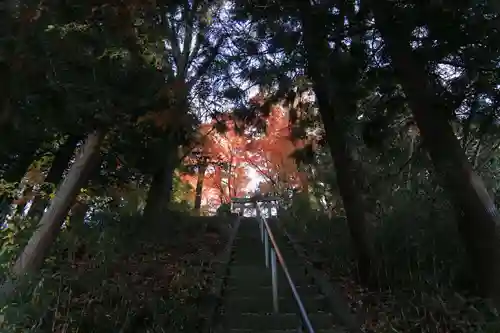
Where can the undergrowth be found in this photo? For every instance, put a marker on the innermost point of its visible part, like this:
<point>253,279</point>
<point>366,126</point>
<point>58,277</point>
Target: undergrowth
<point>424,285</point>
<point>116,274</point>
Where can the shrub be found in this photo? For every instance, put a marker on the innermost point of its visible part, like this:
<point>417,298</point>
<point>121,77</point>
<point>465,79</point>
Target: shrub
<point>224,209</point>
<point>424,279</point>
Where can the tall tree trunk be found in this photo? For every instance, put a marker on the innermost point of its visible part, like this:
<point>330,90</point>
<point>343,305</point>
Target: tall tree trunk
<point>410,155</point>
<point>354,205</point>
<point>229,178</point>
<point>334,109</point>
<point>478,221</point>
<point>33,254</point>
<point>59,165</point>
<point>199,187</point>
<point>160,192</point>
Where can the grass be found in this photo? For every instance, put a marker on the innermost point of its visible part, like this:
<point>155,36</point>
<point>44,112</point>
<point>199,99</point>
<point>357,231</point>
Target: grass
<point>122,276</point>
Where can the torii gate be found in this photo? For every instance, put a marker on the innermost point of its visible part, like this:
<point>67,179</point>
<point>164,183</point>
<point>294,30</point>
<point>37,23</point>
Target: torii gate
<point>238,205</point>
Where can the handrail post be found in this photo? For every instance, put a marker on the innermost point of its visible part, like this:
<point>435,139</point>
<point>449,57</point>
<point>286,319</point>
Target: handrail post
<point>261,223</point>
<point>264,236</point>
<point>266,249</point>
<point>262,231</point>
<point>274,278</point>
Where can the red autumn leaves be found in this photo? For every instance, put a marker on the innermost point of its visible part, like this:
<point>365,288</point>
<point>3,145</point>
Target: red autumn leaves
<point>229,158</point>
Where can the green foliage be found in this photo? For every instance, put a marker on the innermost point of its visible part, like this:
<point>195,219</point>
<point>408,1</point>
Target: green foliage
<point>7,188</point>
<point>181,194</point>
<point>224,209</point>
<point>13,237</point>
<point>183,206</point>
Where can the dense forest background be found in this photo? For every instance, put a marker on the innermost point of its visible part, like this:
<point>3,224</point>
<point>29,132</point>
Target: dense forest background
<point>123,122</point>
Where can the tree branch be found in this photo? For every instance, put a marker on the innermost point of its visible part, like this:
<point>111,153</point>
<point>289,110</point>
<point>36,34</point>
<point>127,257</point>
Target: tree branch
<point>190,149</point>
<point>259,170</point>
<point>172,38</point>
<point>462,66</point>
<point>205,66</point>
<point>467,126</point>
<point>188,15</point>
<point>490,154</point>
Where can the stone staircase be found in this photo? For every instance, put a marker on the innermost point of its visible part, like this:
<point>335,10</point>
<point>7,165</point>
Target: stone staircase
<point>247,294</point>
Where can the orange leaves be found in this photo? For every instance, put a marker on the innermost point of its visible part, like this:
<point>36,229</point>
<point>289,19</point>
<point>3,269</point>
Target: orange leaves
<point>265,187</point>
<point>271,154</point>
<point>224,155</point>
<point>34,175</point>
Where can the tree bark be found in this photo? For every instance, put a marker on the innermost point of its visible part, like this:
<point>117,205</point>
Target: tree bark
<point>410,164</point>
<point>59,165</point>
<point>160,192</point>
<point>354,205</point>
<point>199,187</point>
<point>230,182</point>
<point>478,221</point>
<point>33,255</point>
<point>334,107</point>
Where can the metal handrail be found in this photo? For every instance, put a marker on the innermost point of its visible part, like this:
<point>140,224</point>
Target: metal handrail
<point>276,254</point>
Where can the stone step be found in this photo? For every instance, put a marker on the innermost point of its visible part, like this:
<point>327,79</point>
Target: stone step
<point>256,251</point>
<point>265,279</point>
<point>257,274</point>
<point>248,231</point>
<point>254,259</point>
<point>255,245</point>
<point>248,244</point>
<point>333,330</point>
<point>281,321</point>
<point>266,292</point>
<point>286,304</point>
<point>295,268</point>
<point>247,270</point>
<point>239,265</point>
<point>249,226</point>
<point>249,248</point>
<point>278,237</point>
